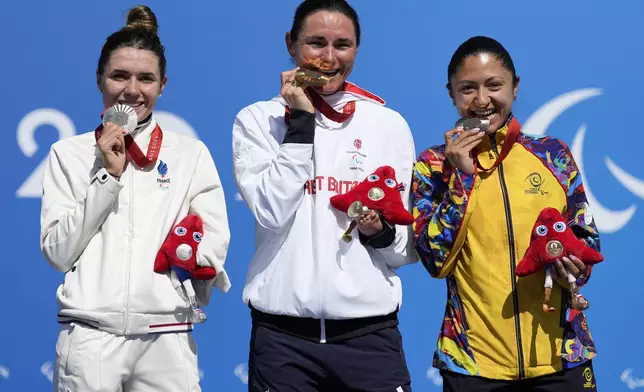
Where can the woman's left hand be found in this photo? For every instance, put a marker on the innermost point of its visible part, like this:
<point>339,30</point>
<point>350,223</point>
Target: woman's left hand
<point>370,224</point>
<point>573,265</point>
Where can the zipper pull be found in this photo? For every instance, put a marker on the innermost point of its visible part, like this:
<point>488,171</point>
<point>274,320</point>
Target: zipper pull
<point>322,331</point>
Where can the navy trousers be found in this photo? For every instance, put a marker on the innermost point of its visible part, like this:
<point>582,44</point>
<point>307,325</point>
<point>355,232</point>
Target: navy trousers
<point>579,379</point>
<point>282,362</point>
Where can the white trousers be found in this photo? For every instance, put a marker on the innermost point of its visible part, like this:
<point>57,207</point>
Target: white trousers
<point>90,360</point>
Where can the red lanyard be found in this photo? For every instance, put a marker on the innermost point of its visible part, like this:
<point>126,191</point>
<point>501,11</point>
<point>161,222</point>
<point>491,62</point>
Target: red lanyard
<point>511,136</point>
<point>133,149</point>
<point>323,107</point>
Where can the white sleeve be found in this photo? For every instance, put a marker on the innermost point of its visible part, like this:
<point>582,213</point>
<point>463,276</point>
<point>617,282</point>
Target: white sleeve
<point>68,223</point>
<point>272,182</point>
<point>206,196</point>
<point>401,250</point>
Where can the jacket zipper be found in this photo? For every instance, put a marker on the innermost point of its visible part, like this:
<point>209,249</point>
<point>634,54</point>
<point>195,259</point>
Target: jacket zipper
<point>323,308</point>
<point>129,252</point>
<point>324,283</point>
<point>323,272</point>
<point>515,295</point>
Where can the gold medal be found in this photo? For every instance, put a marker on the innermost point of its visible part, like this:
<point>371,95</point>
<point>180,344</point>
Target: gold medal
<point>310,77</point>
<point>554,248</point>
<point>356,210</point>
<point>376,194</point>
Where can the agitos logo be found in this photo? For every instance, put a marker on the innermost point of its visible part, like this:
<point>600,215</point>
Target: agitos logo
<point>535,184</point>
<point>588,377</point>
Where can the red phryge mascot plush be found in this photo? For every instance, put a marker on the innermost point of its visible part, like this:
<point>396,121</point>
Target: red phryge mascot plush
<point>551,240</point>
<point>178,254</point>
<point>379,192</point>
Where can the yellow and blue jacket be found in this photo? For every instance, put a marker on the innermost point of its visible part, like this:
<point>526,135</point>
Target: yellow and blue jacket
<point>472,229</point>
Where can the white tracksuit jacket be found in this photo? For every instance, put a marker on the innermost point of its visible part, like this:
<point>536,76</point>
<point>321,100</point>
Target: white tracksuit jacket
<point>105,234</point>
<point>301,267</point>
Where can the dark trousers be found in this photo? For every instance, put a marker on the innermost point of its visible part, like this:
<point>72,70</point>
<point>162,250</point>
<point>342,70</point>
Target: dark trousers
<point>579,379</point>
<point>282,362</point>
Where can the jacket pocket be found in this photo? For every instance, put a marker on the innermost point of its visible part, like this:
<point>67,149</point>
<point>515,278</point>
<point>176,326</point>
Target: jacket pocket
<point>63,345</point>
<point>78,351</point>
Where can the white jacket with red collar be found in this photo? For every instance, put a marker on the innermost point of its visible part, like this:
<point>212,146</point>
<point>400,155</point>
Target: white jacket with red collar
<point>301,266</point>
<point>105,234</point>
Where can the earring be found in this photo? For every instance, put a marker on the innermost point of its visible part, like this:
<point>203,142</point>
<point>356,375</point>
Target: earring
<point>515,97</point>
<point>159,96</point>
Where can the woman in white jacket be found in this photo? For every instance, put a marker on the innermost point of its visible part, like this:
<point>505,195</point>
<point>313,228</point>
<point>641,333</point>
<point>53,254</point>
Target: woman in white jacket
<point>324,311</point>
<point>106,210</point>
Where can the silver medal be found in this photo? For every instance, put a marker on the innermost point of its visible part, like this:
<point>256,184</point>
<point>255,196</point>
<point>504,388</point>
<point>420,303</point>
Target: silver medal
<point>122,115</point>
<point>468,123</point>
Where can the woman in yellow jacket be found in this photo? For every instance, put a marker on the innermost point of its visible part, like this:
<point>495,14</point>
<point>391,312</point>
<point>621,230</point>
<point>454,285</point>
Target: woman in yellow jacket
<point>476,199</point>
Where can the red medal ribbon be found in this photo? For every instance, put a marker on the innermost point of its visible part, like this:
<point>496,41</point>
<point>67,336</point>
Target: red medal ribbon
<point>511,136</point>
<point>133,149</point>
<point>323,107</point>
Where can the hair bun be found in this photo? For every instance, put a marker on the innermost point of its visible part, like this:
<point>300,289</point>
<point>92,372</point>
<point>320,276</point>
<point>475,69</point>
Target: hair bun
<point>142,17</point>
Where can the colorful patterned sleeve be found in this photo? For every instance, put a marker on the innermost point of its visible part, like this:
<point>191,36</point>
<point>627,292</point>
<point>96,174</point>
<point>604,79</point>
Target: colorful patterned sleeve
<point>578,213</point>
<point>440,196</point>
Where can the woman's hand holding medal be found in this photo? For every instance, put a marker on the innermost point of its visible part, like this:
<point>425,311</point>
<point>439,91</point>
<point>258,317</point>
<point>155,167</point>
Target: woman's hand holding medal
<point>293,92</point>
<point>112,146</point>
<point>295,81</point>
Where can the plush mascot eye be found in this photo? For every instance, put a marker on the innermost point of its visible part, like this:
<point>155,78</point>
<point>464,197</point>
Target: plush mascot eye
<point>180,231</point>
<point>542,230</point>
<point>559,227</point>
<point>390,183</point>
<point>197,237</point>
<point>373,178</point>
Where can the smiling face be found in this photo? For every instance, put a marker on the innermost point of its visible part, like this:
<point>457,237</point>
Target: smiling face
<point>483,87</point>
<point>132,77</point>
<point>326,43</point>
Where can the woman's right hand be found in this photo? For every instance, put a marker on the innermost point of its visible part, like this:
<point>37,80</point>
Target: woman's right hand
<point>112,146</point>
<point>458,149</point>
<point>295,97</point>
